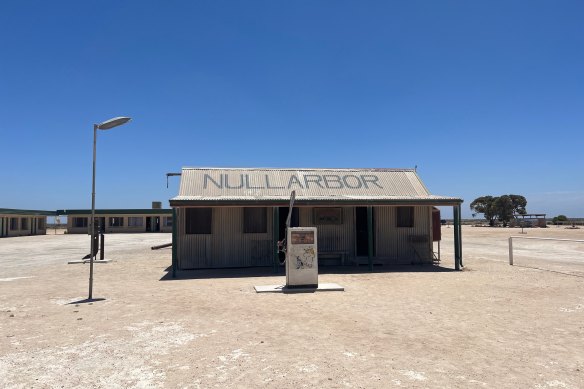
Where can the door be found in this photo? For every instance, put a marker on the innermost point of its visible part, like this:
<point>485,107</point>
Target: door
<point>362,232</point>
<point>294,222</point>
<point>157,224</point>
<point>148,224</point>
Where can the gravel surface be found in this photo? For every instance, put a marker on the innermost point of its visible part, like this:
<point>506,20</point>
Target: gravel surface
<point>491,325</point>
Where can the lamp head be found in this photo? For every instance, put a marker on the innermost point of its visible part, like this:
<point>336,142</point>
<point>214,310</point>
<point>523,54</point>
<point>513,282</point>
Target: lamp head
<point>111,123</point>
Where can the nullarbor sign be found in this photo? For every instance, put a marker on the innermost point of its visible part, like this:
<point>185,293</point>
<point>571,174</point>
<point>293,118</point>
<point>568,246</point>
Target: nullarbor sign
<point>293,181</point>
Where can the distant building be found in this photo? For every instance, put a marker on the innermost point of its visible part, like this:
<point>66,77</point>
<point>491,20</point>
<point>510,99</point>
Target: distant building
<point>118,220</point>
<point>529,220</point>
<point>234,217</point>
<point>21,222</point>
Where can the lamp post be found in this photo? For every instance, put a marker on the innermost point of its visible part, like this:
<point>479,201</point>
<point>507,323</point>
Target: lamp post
<point>108,124</point>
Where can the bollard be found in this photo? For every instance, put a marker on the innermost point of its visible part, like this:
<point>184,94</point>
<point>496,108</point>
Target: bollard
<point>101,245</point>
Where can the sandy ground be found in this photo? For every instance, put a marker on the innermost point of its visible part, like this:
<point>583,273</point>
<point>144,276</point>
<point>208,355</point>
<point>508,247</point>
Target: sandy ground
<point>489,326</point>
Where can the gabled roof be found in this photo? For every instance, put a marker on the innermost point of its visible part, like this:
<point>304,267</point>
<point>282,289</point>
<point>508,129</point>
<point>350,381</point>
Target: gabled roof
<point>263,186</point>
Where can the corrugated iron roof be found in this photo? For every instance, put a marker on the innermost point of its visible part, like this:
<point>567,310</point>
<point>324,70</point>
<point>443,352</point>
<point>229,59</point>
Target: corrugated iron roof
<point>257,185</point>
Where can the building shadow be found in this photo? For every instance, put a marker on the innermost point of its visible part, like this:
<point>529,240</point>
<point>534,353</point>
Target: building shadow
<point>268,271</point>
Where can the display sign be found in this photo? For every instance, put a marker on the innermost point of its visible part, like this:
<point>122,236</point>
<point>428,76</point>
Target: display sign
<point>328,216</point>
<point>302,237</point>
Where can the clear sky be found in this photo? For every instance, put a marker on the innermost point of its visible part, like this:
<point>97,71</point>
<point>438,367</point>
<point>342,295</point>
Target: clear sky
<point>484,97</point>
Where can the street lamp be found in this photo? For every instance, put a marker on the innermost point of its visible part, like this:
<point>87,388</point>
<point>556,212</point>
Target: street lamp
<point>108,124</point>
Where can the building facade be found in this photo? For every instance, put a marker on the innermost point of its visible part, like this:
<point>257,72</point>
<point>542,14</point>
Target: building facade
<point>119,220</point>
<point>23,222</point>
<point>235,217</point>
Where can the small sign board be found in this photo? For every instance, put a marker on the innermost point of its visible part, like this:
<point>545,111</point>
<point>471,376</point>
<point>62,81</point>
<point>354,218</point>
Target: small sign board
<point>302,237</point>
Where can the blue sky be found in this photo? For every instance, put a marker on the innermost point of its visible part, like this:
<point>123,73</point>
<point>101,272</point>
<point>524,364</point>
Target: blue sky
<point>484,97</point>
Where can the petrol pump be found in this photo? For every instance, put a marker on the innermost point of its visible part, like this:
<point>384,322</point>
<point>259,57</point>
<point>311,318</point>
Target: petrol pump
<point>300,246</point>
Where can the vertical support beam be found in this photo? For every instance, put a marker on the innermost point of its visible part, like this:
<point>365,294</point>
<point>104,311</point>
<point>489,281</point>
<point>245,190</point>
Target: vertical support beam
<point>460,235</point>
<point>370,236</point>
<point>456,214</point>
<point>275,236</point>
<point>174,242</point>
<point>511,250</point>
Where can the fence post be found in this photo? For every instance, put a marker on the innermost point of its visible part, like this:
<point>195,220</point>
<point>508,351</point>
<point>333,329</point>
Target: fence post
<point>510,250</point>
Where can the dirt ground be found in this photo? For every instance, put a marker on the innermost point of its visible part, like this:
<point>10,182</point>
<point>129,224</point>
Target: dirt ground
<point>489,326</point>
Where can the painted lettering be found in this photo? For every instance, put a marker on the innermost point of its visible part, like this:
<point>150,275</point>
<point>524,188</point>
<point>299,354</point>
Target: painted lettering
<point>294,181</point>
<point>368,178</point>
<point>268,186</point>
<point>313,178</point>
<point>209,178</point>
<point>330,179</point>
<point>227,186</point>
<point>248,183</point>
<point>356,180</point>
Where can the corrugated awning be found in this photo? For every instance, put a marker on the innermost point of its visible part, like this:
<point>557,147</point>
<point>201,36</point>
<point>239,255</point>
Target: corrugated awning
<point>227,186</point>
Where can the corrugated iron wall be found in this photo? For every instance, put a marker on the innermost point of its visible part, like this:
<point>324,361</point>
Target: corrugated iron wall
<point>333,237</point>
<point>227,246</point>
<point>396,244</point>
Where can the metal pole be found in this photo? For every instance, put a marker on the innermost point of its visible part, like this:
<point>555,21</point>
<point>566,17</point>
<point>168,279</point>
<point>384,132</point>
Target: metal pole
<point>370,236</point>
<point>174,242</point>
<point>276,236</point>
<point>510,250</point>
<point>456,238</point>
<point>92,215</point>
<point>459,235</point>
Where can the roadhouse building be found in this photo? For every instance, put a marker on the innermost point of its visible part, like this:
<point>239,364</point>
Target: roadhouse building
<point>234,217</point>
<point>21,222</point>
<point>119,220</point>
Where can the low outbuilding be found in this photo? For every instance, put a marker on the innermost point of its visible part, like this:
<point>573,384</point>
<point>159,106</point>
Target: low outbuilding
<point>118,220</point>
<point>235,217</point>
<point>21,222</point>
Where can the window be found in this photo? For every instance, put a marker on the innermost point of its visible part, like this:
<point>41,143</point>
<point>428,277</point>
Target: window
<point>135,221</point>
<point>168,221</point>
<point>116,221</point>
<point>24,223</point>
<point>198,220</point>
<point>14,223</point>
<point>328,216</point>
<point>41,225</point>
<point>80,222</point>
<point>405,216</point>
<point>255,220</point>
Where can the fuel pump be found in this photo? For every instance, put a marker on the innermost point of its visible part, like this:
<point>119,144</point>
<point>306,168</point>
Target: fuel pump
<point>300,246</point>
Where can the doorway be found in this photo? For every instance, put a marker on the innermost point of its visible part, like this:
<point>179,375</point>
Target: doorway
<point>294,222</point>
<point>153,224</point>
<point>362,232</point>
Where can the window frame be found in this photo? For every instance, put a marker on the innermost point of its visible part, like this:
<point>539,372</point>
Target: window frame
<point>112,222</point>
<point>248,226</point>
<point>199,213</point>
<point>135,218</point>
<point>403,220</point>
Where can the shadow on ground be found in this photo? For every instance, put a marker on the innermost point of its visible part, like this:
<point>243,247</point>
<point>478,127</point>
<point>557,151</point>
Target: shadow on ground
<point>269,271</point>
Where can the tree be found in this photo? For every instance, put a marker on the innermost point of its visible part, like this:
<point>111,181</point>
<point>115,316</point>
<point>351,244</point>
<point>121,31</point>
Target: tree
<point>559,218</point>
<point>519,204</point>
<point>486,206</point>
<point>502,208</point>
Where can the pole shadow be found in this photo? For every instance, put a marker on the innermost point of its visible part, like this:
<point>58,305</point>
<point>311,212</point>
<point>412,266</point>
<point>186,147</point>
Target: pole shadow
<point>86,301</point>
